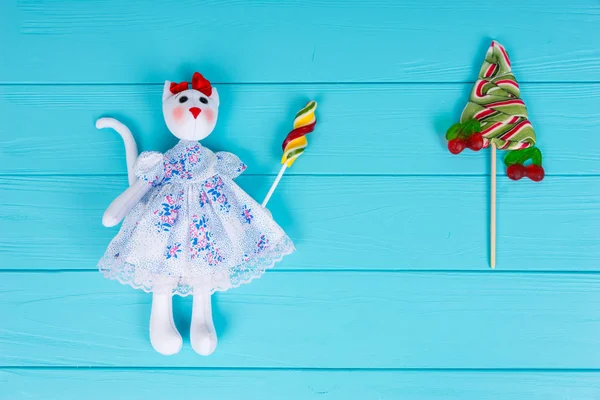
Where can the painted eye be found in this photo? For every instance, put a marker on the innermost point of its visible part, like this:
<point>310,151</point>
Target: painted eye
<point>203,100</point>
<point>183,99</point>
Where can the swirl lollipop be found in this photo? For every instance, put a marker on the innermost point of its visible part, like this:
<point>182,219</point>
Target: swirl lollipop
<point>496,117</point>
<point>295,142</point>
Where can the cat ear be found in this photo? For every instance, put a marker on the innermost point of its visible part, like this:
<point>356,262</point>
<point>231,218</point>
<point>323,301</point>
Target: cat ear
<point>214,96</point>
<point>167,90</point>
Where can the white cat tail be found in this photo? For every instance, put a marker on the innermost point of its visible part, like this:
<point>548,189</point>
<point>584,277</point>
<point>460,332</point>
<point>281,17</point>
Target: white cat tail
<point>131,151</point>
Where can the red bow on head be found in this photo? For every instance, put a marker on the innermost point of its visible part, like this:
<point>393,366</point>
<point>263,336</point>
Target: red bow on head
<point>199,83</point>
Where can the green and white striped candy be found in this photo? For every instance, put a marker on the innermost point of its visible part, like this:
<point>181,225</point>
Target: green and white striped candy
<point>495,102</point>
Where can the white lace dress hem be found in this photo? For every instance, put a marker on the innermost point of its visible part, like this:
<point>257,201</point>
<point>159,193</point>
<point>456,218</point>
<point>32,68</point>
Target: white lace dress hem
<point>217,281</point>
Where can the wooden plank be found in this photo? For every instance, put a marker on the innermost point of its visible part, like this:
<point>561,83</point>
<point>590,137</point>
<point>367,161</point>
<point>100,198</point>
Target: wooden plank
<point>362,129</point>
<point>315,320</point>
<point>337,222</point>
<point>293,41</point>
<point>297,384</point>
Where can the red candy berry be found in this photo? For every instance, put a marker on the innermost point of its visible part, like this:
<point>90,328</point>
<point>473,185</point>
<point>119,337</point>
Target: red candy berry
<point>475,141</point>
<point>456,145</point>
<point>515,171</point>
<point>535,172</point>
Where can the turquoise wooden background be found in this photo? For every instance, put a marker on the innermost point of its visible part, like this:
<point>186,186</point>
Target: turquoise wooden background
<point>389,295</point>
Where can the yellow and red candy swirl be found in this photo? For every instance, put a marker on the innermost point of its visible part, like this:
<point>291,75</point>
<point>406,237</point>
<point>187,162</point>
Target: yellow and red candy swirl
<point>295,142</point>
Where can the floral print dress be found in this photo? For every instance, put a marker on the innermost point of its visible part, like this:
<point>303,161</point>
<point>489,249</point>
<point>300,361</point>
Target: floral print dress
<point>195,229</point>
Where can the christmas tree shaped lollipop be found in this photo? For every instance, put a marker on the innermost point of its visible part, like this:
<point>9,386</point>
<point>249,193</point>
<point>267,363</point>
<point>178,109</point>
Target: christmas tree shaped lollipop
<point>496,117</point>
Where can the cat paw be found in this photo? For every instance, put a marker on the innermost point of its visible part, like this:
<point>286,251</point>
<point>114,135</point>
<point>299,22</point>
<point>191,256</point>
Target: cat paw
<point>165,339</point>
<point>204,339</point>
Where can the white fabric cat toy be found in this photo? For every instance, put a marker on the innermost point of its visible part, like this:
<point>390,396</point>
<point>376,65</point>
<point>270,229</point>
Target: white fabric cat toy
<point>188,228</point>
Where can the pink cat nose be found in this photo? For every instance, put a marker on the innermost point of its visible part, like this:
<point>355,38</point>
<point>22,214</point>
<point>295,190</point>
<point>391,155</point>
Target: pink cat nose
<point>195,111</point>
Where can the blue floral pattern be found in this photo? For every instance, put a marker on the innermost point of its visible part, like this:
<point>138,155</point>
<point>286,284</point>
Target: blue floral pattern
<point>169,211</point>
<point>173,250</point>
<point>195,228</point>
<point>202,243</point>
<point>262,245</point>
<point>213,193</point>
<point>247,214</point>
<point>181,164</point>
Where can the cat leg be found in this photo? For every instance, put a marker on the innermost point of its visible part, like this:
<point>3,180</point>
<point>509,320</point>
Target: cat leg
<point>202,332</point>
<point>163,334</point>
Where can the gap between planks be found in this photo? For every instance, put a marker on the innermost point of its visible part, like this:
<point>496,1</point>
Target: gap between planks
<point>317,175</point>
<point>266,369</point>
<point>343,270</point>
<point>346,83</point>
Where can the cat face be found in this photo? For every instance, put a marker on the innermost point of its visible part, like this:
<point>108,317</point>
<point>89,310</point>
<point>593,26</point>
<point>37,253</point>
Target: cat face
<point>190,114</point>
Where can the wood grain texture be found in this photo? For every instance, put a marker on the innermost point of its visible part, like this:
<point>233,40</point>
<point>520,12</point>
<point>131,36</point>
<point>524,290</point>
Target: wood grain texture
<point>361,222</point>
<point>315,320</point>
<point>296,385</point>
<point>294,41</point>
<point>389,295</point>
<point>362,129</point>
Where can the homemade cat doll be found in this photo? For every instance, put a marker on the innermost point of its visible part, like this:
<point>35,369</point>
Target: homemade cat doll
<point>188,229</point>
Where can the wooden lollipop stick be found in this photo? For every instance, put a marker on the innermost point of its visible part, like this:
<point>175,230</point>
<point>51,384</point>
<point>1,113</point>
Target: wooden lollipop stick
<point>274,185</point>
<point>493,209</point>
